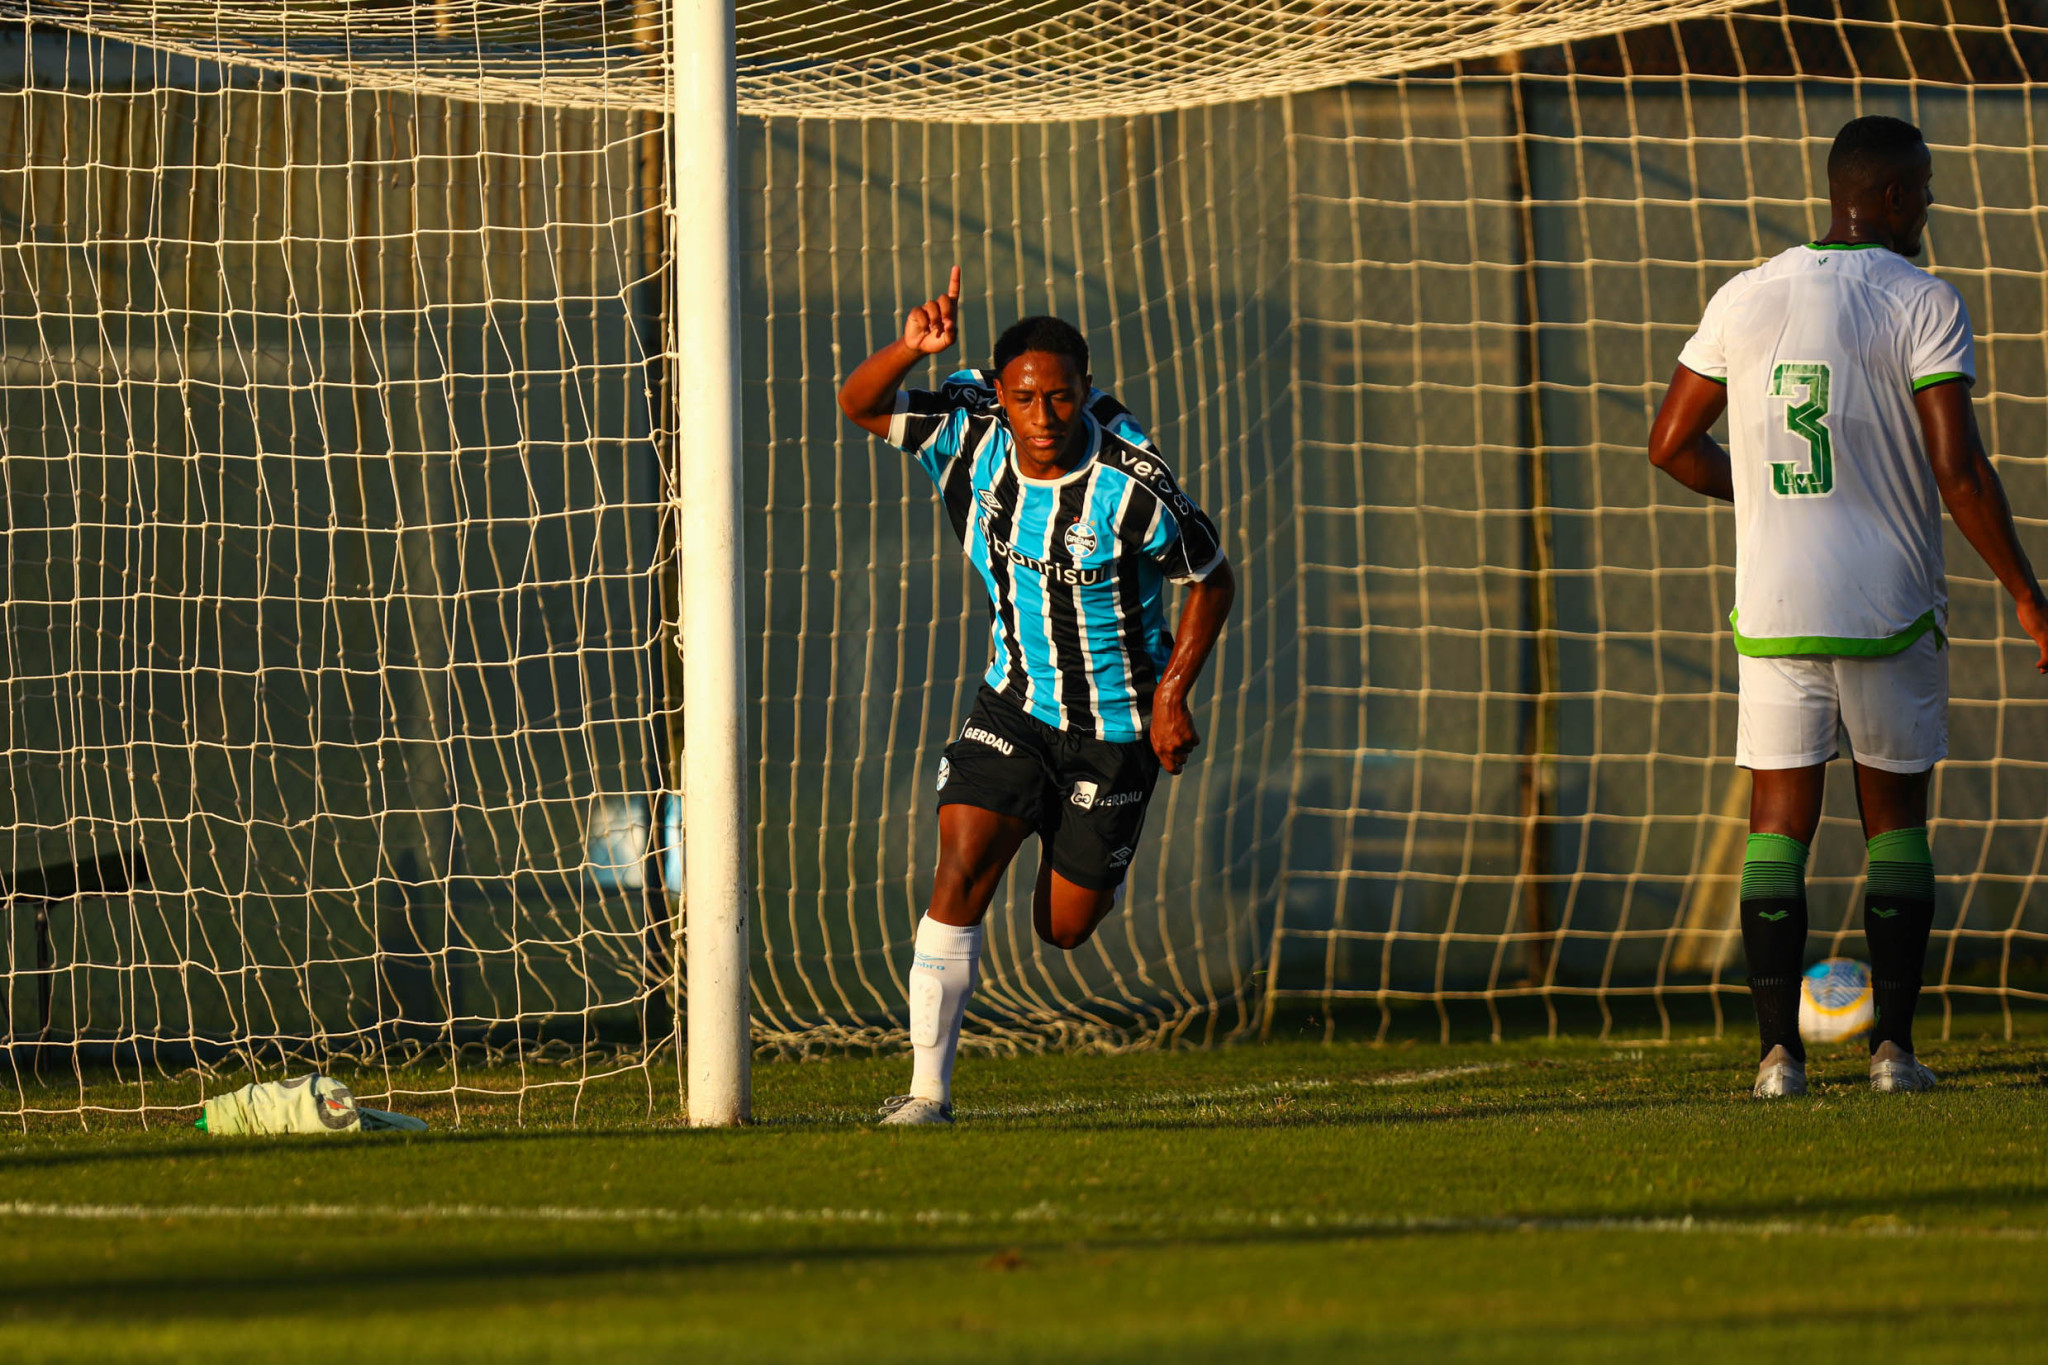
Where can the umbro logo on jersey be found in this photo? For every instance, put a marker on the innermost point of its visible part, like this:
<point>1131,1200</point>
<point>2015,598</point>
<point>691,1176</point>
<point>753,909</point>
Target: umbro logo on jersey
<point>1122,857</point>
<point>1079,540</point>
<point>988,737</point>
<point>990,500</point>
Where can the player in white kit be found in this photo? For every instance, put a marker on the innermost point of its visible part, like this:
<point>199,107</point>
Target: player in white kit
<point>1845,372</point>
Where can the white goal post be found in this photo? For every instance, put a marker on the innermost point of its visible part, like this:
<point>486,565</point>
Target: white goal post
<point>427,518</point>
<point>711,535</point>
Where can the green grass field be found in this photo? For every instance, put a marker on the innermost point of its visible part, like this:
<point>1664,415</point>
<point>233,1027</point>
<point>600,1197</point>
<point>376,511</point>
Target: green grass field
<point>1535,1201</point>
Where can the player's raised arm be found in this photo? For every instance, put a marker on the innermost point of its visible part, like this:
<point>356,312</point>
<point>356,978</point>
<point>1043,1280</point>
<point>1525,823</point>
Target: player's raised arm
<point>1976,499</point>
<point>868,397</point>
<point>1679,443</point>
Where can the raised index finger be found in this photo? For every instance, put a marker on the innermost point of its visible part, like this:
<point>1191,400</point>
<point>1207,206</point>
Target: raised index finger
<point>953,285</point>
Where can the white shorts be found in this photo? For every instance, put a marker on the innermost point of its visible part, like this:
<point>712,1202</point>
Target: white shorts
<point>1893,710</point>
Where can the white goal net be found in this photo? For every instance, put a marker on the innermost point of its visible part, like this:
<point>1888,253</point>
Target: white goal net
<point>342,693</point>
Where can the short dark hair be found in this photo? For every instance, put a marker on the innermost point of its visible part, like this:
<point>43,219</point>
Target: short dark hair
<point>1872,150</point>
<point>1041,334</point>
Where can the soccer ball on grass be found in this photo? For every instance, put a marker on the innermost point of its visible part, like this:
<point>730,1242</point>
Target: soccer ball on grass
<point>1835,1001</point>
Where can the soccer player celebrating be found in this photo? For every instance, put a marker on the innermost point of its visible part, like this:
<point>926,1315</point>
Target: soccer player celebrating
<point>1074,524</point>
<point>1846,374</point>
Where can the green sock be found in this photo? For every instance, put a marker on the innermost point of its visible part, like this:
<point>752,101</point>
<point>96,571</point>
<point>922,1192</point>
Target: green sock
<point>1773,865</point>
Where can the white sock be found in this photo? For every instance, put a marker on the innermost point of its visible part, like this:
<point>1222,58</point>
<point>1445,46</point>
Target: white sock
<point>942,971</point>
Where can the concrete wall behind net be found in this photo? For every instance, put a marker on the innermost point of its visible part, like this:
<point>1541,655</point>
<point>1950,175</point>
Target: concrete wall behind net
<point>331,532</point>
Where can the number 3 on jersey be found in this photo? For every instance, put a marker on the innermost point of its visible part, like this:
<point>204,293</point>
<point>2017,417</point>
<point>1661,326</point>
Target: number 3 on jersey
<point>1808,421</point>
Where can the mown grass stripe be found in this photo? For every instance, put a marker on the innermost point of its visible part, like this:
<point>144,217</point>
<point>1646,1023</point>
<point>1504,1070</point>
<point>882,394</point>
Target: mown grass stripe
<point>1279,1220</point>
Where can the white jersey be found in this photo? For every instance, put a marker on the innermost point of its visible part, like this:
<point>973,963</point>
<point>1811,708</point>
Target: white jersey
<point>1837,518</point>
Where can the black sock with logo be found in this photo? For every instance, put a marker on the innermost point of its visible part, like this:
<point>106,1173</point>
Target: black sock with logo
<point>1774,936</point>
<point>1898,915</point>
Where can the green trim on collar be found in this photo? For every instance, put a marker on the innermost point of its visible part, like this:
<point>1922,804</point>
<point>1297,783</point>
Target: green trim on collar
<point>1845,646</point>
<point>1847,246</point>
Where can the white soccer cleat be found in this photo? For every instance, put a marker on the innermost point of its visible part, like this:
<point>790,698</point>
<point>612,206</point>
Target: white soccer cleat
<point>1893,1070</point>
<point>909,1110</point>
<point>1780,1074</point>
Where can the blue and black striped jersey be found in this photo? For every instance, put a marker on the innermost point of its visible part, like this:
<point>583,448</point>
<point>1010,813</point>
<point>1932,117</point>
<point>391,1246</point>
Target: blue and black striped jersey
<point>1075,567</point>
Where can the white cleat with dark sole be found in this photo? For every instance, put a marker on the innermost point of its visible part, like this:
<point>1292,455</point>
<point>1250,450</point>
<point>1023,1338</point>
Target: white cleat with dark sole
<point>909,1110</point>
<point>1780,1074</point>
<point>1893,1070</point>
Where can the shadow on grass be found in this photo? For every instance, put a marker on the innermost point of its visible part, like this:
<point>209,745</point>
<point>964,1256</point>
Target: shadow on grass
<point>429,1275</point>
<point>2024,1074</point>
<point>1910,1206</point>
<point>336,1147</point>
<point>1338,1106</point>
<point>1525,1089</point>
<point>1078,1117</point>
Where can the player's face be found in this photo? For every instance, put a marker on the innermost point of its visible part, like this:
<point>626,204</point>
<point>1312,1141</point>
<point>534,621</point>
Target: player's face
<point>1908,202</point>
<point>1043,395</point>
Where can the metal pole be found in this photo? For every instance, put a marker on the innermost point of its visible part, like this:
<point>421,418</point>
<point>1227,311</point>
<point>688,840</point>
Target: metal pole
<point>706,488</point>
<point>1540,663</point>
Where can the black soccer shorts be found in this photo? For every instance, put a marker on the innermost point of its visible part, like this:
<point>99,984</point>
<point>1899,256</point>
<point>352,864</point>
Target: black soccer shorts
<point>1085,796</point>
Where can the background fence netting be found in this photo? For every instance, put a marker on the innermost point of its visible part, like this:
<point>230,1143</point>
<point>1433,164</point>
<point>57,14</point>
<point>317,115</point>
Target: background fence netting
<point>341,701</point>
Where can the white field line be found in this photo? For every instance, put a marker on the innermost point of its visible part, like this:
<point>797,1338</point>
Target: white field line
<point>1038,1213</point>
<point>1441,1073</point>
<point>1181,1099</point>
<point>463,1213</point>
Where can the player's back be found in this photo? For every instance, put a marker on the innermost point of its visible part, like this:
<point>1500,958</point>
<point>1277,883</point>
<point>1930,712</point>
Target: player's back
<point>1838,521</point>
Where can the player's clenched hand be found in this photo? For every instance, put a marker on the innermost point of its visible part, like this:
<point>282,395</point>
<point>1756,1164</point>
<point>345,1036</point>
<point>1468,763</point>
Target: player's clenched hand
<point>2034,621</point>
<point>1173,731</point>
<point>932,327</point>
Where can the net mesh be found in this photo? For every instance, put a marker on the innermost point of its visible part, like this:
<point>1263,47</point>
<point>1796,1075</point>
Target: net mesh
<point>943,60</point>
<point>340,691</point>
<point>333,529</point>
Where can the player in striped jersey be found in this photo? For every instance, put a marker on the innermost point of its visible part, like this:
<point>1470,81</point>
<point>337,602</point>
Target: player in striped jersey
<point>1074,525</point>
